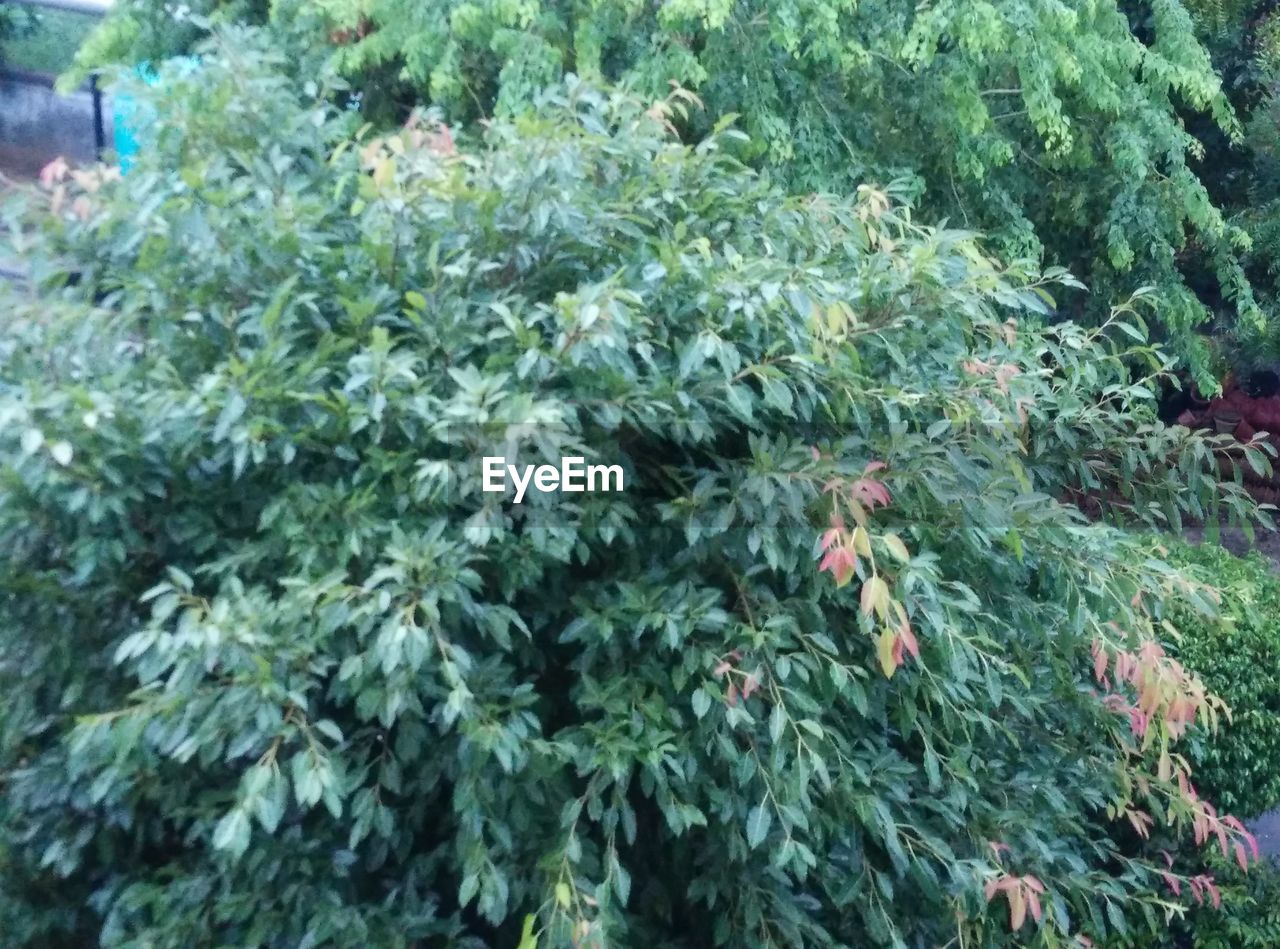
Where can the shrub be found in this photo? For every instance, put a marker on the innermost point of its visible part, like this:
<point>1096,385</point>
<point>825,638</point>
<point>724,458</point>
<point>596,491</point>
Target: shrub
<point>278,673</point>
<point>1237,654</point>
<point>1242,911</point>
<point>1249,917</point>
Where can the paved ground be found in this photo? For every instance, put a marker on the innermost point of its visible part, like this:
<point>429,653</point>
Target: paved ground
<point>1267,829</point>
<point>21,163</point>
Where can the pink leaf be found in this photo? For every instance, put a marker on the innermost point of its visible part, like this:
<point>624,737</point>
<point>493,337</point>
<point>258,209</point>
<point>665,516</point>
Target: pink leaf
<point>1033,901</point>
<point>909,639</point>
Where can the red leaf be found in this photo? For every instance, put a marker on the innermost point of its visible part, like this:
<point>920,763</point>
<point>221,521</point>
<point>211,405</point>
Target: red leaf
<point>1099,663</point>
<point>842,562</point>
<point>869,491</point>
<point>909,640</point>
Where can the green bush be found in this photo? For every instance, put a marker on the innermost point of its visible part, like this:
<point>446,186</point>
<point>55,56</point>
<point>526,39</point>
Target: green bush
<point>1249,917</point>
<point>1237,653</point>
<point>1241,911</point>
<point>49,42</point>
<point>278,674</point>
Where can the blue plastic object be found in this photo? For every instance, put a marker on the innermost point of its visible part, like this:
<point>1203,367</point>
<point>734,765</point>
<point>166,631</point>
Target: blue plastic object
<point>134,119</point>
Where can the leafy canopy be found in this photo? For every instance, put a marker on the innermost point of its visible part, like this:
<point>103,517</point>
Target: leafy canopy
<point>838,668</point>
<point>1058,129</point>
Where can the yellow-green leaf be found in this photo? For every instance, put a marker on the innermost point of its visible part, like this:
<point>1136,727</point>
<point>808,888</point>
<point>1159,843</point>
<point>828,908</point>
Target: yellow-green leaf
<point>528,939</point>
<point>897,547</point>
<point>884,652</point>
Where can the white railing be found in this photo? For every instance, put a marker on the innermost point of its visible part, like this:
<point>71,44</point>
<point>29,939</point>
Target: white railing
<point>75,6</point>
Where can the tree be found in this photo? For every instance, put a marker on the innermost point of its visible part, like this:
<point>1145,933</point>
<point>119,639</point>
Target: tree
<point>1243,38</point>
<point>837,667</point>
<point>1058,130</point>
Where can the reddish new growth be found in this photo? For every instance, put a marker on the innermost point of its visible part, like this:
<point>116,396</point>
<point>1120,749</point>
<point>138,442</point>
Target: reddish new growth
<point>1164,688</point>
<point>728,666</point>
<point>904,639</point>
<point>1002,372</point>
<point>1023,894</point>
<point>867,491</point>
<point>1206,823</point>
<point>1168,699</point>
<point>844,549</point>
<point>345,37</point>
<point>1201,884</point>
<point>840,557</point>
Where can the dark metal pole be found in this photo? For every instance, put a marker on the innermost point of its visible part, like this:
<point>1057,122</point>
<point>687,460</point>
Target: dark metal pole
<point>99,129</point>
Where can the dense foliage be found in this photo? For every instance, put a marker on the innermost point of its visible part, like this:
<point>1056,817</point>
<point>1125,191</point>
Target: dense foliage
<point>1248,918</point>
<point>1242,912</point>
<point>1237,653</point>
<point>837,668</point>
<point>1078,131</point>
<point>14,22</point>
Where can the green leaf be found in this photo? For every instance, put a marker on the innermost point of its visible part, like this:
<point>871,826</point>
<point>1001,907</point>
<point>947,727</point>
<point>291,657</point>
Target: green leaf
<point>232,410</point>
<point>232,832</point>
<point>896,547</point>
<point>759,820</point>
<point>527,938</point>
<point>701,702</point>
<point>271,315</point>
